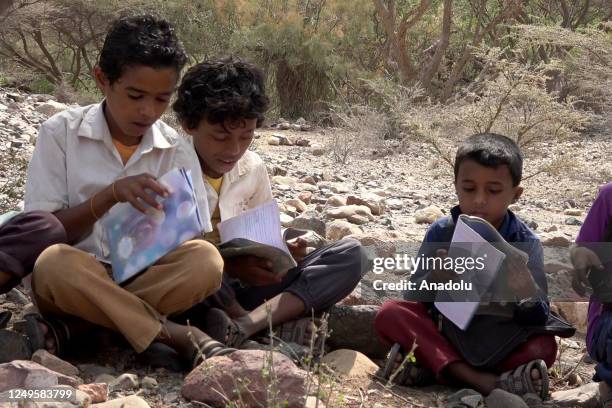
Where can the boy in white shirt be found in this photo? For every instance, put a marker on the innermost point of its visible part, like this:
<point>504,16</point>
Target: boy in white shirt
<point>220,104</point>
<point>90,158</point>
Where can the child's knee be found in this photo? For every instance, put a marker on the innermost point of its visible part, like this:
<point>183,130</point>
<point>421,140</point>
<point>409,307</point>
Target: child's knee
<point>543,347</point>
<point>387,315</point>
<point>48,228</point>
<point>206,266</point>
<point>54,266</point>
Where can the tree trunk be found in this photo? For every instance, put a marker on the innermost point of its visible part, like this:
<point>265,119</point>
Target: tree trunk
<point>397,34</point>
<point>428,73</point>
<point>507,13</point>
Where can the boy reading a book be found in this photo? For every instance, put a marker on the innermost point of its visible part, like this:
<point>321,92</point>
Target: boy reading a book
<point>590,256</point>
<point>487,171</point>
<point>221,103</point>
<point>88,159</point>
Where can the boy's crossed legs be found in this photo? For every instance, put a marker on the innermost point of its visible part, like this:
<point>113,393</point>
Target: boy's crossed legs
<point>404,322</point>
<point>323,278</point>
<point>68,281</point>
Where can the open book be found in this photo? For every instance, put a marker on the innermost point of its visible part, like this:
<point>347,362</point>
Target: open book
<point>257,232</point>
<point>478,239</point>
<point>137,240</point>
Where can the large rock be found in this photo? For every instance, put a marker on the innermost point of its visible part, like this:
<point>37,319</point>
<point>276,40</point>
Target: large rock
<point>28,374</point>
<point>54,363</point>
<point>336,201</point>
<point>98,392</point>
<point>284,180</point>
<point>350,363</point>
<point>340,188</point>
<point>298,204</point>
<point>395,204</point>
<point>499,398</point>
<point>352,327</point>
<point>586,396</point>
<point>339,229</point>
<point>317,149</point>
<point>224,378</point>
<point>126,402</point>
<point>273,141</point>
<point>306,187</point>
<point>50,108</point>
<point>314,240</point>
<point>309,220</point>
<point>555,239</point>
<point>285,219</point>
<point>354,298</point>
<point>575,313</point>
<point>428,215</point>
<point>358,219</point>
<point>576,212</point>
<point>374,202</point>
<point>380,243</point>
<point>305,196</point>
<point>125,382</point>
<point>348,211</point>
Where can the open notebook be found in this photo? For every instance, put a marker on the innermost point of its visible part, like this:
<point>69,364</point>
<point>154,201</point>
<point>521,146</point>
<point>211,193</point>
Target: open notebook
<point>474,237</point>
<point>137,240</point>
<point>258,232</point>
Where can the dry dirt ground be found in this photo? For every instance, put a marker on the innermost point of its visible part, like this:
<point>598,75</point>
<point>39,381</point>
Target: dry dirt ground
<point>418,178</point>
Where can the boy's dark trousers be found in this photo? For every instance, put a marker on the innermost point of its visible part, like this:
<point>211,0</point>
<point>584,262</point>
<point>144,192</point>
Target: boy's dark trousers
<point>323,278</point>
<point>22,239</point>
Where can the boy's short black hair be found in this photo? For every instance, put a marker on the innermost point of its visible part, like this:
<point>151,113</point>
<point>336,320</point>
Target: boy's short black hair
<point>229,89</point>
<point>491,150</point>
<point>140,40</point>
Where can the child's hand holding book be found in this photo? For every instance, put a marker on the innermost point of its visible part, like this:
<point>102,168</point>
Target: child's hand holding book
<point>298,249</point>
<point>584,261</point>
<point>519,279</point>
<point>133,189</point>
<point>253,270</point>
<point>442,274</point>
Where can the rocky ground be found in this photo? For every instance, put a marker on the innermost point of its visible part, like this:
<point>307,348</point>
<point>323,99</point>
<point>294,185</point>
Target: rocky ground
<point>387,202</point>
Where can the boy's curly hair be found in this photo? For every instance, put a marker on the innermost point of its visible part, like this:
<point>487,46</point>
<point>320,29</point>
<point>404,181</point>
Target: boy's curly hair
<point>140,40</point>
<point>225,90</point>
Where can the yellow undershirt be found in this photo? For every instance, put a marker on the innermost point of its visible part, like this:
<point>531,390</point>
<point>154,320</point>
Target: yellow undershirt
<point>125,152</point>
<point>213,236</point>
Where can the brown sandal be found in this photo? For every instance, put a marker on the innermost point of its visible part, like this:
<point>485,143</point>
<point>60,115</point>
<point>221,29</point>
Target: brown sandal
<point>209,348</point>
<point>222,328</point>
<point>295,331</point>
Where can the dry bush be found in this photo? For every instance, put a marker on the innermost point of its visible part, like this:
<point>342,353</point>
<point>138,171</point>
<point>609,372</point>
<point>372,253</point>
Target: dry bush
<point>510,96</point>
<point>584,60</point>
<point>361,128</point>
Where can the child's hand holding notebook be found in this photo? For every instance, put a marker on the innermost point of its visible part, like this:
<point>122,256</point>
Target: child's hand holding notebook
<point>138,240</point>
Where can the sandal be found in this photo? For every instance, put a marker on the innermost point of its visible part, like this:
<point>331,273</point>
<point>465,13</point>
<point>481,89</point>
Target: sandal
<point>295,331</point>
<point>15,346</point>
<point>410,373</point>
<point>222,328</point>
<point>519,382</point>
<point>5,318</point>
<point>56,328</point>
<point>209,348</point>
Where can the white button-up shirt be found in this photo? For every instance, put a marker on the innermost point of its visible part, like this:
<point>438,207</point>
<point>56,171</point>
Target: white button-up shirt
<point>245,186</point>
<point>75,158</point>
